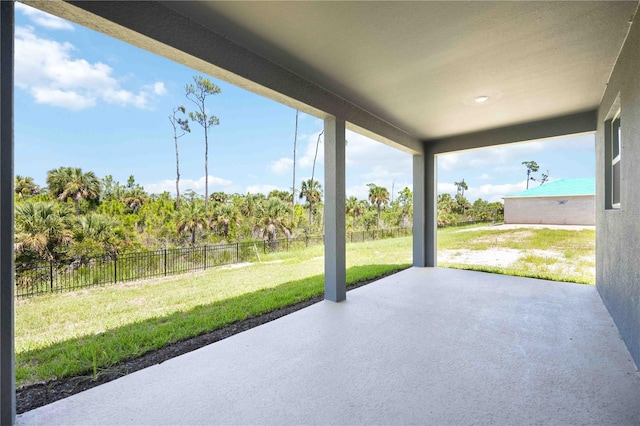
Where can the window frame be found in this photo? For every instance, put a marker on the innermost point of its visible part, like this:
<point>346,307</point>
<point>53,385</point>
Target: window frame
<point>616,156</point>
<point>613,160</point>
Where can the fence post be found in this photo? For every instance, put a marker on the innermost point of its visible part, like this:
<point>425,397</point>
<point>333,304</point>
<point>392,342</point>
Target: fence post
<point>165,262</point>
<point>115,269</point>
<point>237,252</point>
<point>51,275</point>
<point>205,257</point>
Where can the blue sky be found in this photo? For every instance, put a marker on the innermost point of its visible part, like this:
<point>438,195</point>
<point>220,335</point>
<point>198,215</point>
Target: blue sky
<point>85,100</point>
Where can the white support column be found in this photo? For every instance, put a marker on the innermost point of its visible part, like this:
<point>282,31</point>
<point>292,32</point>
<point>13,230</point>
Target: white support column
<point>7,366</point>
<point>424,209</point>
<point>335,280</point>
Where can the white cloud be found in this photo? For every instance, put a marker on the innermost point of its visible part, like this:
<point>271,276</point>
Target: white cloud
<point>487,192</point>
<point>169,185</point>
<point>361,192</point>
<point>380,172</point>
<point>306,161</point>
<point>124,97</point>
<point>158,88</point>
<point>446,188</point>
<point>59,98</point>
<point>448,162</point>
<point>369,161</point>
<point>496,192</point>
<point>46,69</point>
<point>261,189</point>
<point>485,176</point>
<point>43,19</point>
<point>493,157</point>
<point>281,166</point>
<point>376,159</point>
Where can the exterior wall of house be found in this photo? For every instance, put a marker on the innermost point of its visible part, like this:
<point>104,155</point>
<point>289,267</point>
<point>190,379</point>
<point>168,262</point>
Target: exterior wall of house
<point>568,210</point>
<point>618,230</point>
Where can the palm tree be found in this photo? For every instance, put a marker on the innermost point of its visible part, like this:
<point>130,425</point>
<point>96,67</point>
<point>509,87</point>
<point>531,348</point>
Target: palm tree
<point>219,197</point>
<point>355,208</point>
<point>378,195</point>
<point>446,209</point>
<point>283,195</point>
<point>250,204</point>
<point>41,228</point>
<point>191,218</point>
<point>24,186</point>
<point>461,187</point>
<point>135,198</point>
<point>70,182</point>
<point>311,190</point>
<point>271,218</point>
<point>93,237</point>
<point>180,128</point>
<point>224,216</point>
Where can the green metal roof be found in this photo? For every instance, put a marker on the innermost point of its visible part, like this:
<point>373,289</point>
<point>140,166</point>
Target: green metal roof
<point>560,188</point>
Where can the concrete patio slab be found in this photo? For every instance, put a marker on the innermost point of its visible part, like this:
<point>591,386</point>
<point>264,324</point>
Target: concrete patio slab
<point>424,346</point>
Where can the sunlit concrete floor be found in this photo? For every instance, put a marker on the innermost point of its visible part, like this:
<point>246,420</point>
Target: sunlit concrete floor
<point>424,346</point>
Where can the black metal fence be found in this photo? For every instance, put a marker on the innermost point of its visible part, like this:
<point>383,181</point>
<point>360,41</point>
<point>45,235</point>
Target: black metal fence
<point>49,277</point>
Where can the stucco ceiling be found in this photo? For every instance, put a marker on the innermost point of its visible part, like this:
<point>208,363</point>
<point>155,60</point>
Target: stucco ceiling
<point>409,71</point>
<point>420,65</point>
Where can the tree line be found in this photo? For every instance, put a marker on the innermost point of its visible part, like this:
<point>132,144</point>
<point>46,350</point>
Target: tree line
<point>455,210</point>
<point>79,216</point>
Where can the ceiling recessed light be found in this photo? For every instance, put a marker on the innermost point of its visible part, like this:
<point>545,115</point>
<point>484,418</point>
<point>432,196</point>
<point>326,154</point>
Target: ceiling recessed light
<point>481,99</point>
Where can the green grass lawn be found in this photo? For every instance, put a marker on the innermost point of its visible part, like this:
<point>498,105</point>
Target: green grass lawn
<point>87,331</point>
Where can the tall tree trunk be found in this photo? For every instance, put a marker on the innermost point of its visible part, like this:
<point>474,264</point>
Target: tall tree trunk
<point>313,171</point>
<point>206,168</point>
<point>76,203</point>
<point>177,176</point>
<point>378,215</point>
<point>293,188</point>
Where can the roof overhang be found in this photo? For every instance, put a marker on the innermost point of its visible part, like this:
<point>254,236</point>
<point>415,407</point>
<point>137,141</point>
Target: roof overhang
<point>405,73</point>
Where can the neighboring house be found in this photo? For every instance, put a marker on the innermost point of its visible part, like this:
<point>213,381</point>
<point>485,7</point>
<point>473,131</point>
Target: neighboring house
<point>561,202</point>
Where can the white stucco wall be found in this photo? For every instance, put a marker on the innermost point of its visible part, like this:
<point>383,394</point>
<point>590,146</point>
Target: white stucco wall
<point>567,210</point>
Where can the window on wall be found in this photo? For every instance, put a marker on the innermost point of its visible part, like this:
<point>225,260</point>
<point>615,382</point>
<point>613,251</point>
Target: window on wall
<point>615,141</point>
<point>613,157</point>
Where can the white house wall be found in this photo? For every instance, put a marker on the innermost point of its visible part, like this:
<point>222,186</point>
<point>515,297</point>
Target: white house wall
<point>566,210</point>
<point>618,230</point>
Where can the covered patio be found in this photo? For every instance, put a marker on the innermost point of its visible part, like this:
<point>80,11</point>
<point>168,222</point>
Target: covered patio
<point>424,346</point>
<point>428,345</point>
